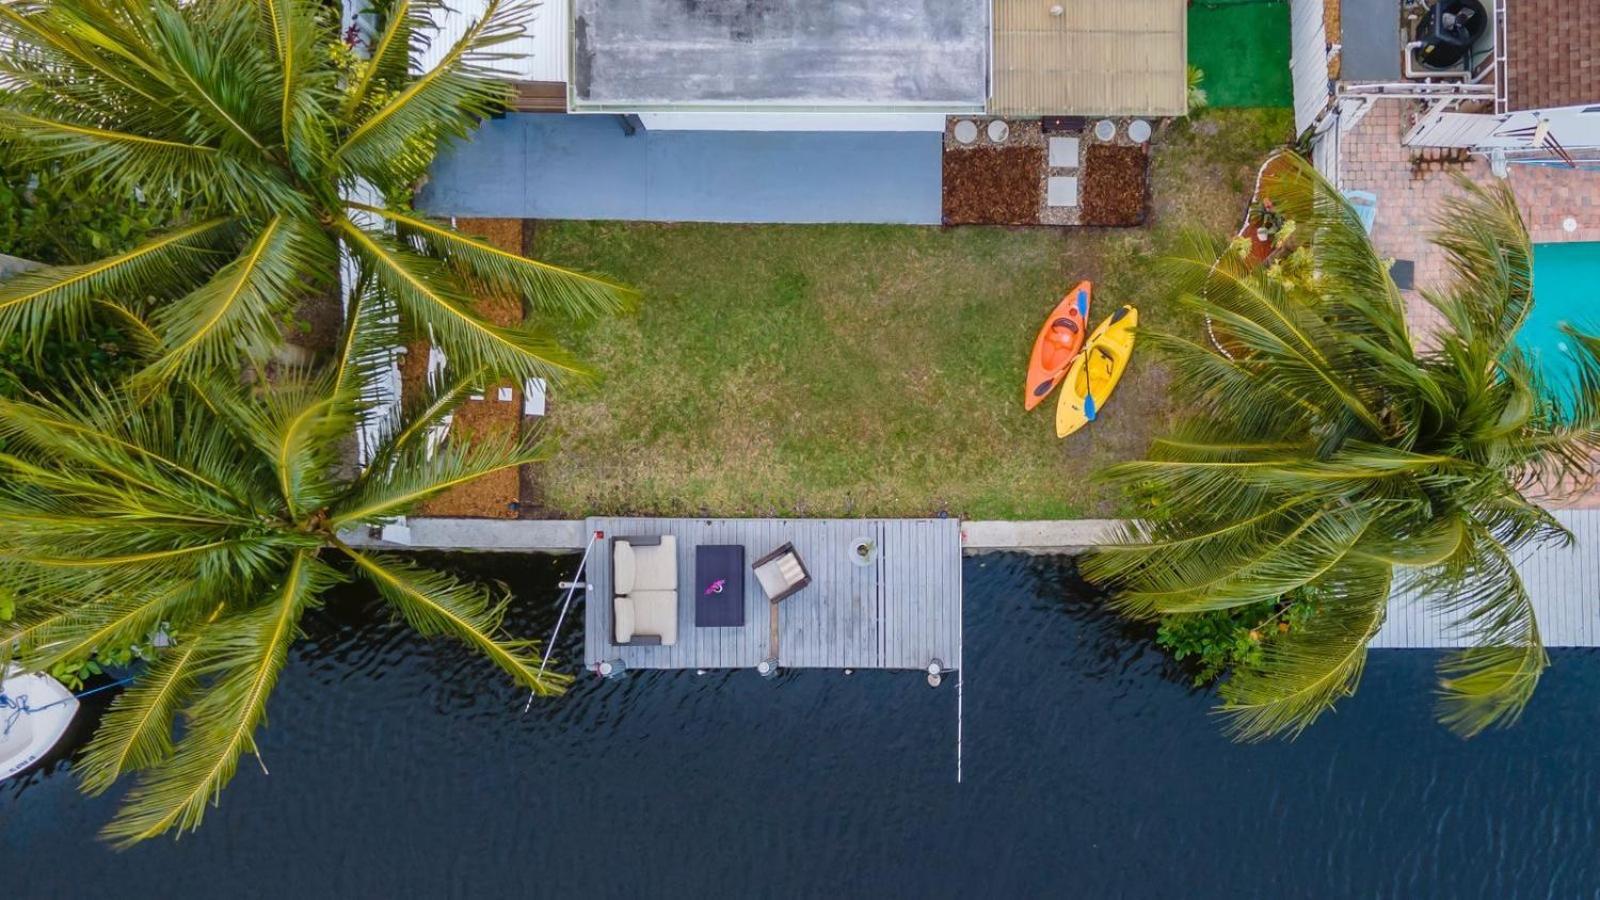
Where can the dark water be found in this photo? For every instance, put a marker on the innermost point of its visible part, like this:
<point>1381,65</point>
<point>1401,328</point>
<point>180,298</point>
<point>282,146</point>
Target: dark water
<point>403,768</point>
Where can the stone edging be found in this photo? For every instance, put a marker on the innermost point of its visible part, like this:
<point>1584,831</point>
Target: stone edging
<point>556,535</point>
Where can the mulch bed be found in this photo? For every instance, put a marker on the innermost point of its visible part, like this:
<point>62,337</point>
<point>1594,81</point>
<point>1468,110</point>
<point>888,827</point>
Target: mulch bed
<point>993,186</point>
<point>1116,186</point>
<point>497,495</point>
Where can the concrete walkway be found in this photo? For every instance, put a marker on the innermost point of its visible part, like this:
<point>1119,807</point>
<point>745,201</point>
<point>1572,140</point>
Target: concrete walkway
<point>543,166</point>
<point>560,535</point>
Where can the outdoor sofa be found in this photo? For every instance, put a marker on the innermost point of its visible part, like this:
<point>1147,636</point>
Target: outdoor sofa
<point>644,581</point>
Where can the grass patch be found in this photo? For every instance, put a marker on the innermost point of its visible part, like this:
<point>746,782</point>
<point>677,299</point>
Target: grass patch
<point>1243,48</point>
<point>869,370</point>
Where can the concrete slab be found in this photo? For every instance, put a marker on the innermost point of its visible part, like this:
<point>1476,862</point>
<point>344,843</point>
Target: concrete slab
<point>1063,153</point>
<point>643,54</point>
<point>1040,536</point>
<point>544,166</point>
<point>1061,190</point>
<point>493,535</point>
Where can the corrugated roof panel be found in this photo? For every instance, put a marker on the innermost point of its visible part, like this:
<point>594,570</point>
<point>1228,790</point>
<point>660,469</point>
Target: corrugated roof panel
<point>1126,57</point>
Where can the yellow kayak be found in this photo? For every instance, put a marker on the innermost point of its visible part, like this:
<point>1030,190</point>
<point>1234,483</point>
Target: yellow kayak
<point>1094,374</point>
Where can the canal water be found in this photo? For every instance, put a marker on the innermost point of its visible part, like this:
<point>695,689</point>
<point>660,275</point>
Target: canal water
<point>405,768</point>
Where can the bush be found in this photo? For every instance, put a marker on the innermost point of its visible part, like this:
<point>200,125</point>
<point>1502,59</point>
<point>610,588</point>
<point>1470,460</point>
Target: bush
<point>53,218</point>
<point>1217,642</point>
<point>58,219</point>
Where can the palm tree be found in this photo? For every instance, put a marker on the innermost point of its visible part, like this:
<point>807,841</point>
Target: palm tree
<point>217,515</point>
<point>1337,452</point>
<point>246,112</point>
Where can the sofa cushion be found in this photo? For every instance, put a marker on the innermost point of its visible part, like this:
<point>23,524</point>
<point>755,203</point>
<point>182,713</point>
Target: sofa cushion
<point>655,568</point>
<point>623,567</point>
<point>656,612</point>
<point>772,580</point>
<point>623,607</point>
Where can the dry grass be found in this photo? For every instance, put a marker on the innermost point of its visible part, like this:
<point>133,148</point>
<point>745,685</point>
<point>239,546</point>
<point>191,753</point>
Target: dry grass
<point>866,370</point>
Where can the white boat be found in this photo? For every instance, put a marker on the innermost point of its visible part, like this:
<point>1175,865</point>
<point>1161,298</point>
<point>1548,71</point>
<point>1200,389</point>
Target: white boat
<point>35,711</point>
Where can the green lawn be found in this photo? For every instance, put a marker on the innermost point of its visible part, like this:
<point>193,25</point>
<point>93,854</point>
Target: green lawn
<point>867,370</point>
<point>1243,48</point>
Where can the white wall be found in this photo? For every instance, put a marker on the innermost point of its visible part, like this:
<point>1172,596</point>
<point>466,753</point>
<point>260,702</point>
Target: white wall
<point>543,47</point>
<point>796,121</point>
<point>1308,61</point>
<point>1574,126</point>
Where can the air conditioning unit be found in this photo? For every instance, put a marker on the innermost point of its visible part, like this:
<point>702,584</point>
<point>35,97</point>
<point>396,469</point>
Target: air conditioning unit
<point>1442,40</point>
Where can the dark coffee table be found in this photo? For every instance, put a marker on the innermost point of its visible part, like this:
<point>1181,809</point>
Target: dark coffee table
<point>719,586</point>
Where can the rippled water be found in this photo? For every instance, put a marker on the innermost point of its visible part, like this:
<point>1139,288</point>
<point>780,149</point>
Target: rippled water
<point>405,768</point>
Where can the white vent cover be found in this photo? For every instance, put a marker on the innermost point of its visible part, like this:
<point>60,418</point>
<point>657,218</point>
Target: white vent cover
<point>966,131</point>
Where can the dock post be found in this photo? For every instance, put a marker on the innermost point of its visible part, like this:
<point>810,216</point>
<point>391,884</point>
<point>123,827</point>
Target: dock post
<point>767,668</point>
<point>611,668</point>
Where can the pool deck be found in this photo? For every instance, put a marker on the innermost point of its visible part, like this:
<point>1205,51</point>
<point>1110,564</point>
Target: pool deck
<point>900,612</point>
<point>1372,158</point>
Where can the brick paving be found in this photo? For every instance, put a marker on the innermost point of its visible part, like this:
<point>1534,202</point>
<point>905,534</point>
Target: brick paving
<point>1372,158</point>
<point>1551,52</point>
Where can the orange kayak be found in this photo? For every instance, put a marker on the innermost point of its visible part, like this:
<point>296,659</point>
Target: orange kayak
<point>1058,343</point>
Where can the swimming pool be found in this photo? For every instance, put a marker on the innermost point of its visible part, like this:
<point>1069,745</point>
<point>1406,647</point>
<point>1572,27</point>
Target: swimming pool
<point>1566,288</point>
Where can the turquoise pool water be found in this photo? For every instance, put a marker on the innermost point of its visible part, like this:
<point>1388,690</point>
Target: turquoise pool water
<point>1566,290</point>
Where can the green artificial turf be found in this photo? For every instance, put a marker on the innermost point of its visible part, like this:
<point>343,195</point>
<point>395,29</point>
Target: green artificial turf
<point>1242,46</point>
<point>860,370</point>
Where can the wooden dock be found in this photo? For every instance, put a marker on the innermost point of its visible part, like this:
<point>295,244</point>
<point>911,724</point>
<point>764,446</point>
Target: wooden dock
<point>1564,583</point>
<point>900,612</point>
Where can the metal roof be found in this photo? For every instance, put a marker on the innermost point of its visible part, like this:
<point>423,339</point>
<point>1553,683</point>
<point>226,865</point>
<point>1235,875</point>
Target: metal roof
<point>1098,57</point>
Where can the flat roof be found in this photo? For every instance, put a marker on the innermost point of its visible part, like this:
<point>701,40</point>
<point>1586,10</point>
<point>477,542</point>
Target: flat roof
<point>1097,58</point>
<point>631,55</point>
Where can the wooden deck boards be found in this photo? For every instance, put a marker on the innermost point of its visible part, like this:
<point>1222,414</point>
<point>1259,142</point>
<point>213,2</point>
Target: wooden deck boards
<point>1564,583</point>
<point>898,613</point>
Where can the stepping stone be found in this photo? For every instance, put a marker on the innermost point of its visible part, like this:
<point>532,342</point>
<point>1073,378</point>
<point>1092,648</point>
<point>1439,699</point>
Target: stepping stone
<point>1063,153</point>
<point>1061,190</point>
<point>533,393</point>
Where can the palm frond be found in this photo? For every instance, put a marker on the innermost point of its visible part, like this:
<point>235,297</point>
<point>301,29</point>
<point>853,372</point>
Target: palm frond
<point>136,732</point>
<point>1304,673</point>
<point>60,296</point>
<point>305,86</point>
<point>542,287</point>
<point>394,490</point>
<point>435,603</point>
<point>239,310</point>
<point>407,25</point>
<point>427,290</point>
<point>444,101</point>
<point>243,656</point>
